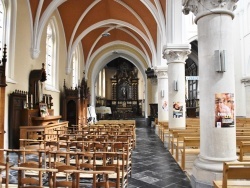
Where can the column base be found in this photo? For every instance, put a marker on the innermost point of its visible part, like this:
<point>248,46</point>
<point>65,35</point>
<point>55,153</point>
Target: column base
<point>204,172</point>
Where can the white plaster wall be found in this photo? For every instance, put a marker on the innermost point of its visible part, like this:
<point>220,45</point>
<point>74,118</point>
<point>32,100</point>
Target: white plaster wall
<point>241,42</point>
<point>24,63</point>
<point>141,86</point>
<point>239,64</point>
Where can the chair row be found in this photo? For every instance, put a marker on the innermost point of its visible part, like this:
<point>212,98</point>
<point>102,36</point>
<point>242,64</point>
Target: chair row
<point>100,130</point>
<point>53,172</point>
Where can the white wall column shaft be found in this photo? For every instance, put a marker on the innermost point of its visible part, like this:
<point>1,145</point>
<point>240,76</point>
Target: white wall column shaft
<point>176,56</point>
<point>163,104</point>
<point>214,33</point>
<point>247,93</point>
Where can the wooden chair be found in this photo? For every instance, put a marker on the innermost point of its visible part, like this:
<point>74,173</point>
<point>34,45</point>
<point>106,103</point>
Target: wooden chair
<point>95,183</point>
<point>5,180</point>
<point>31,182</point>
<point>126,163</point>
<point>5,166</point>
<point>62,178</point>
<point>84,164</point>
<point>101,179</point>
<point>32,157</point>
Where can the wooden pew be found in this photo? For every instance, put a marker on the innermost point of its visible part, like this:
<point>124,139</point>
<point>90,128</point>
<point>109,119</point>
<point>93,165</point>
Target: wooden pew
<point>191,145</point>
<point>235,174</point>
<point>180,139</point>
<point>172,140</point>
<point>163,129</point>
<point>244,151</point>
<point>239,139</point>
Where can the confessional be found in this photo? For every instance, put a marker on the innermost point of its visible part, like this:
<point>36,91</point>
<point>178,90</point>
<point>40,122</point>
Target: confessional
<point>74,104</point>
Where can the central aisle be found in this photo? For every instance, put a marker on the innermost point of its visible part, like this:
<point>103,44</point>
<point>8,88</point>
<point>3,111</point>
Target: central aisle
<point>153,165</point>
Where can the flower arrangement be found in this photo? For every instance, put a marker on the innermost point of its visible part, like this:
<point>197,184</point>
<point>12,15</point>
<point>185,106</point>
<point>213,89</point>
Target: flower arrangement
<point>43,110</point>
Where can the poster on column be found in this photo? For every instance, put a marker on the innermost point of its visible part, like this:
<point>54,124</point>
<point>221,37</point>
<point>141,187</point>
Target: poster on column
<point>224,110</point>
<point>177,110</point>
<point>165,106</point>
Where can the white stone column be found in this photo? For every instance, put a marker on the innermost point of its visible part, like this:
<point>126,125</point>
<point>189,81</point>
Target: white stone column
<point>217,145</point>
<point>176,56</point>
<point>163,103</point>
<point>246,82</point>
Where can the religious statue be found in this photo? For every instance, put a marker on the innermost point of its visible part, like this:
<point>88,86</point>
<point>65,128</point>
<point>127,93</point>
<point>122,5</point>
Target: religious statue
<point>37,80</point>
<point>124,92</point>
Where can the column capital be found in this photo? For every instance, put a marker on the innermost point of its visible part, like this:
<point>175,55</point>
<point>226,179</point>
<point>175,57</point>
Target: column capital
<point>246,81</point>
<point>161,72</point>
<point>201,8</point>
<point>176,53</point>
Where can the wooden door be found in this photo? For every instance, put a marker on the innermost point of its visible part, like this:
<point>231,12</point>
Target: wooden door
<point>72,113</point>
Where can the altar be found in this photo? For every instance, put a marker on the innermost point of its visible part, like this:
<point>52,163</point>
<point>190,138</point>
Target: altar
<point>101,111</point>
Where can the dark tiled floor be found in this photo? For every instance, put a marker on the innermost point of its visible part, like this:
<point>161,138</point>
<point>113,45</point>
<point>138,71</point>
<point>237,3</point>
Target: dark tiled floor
<point>153,165</point>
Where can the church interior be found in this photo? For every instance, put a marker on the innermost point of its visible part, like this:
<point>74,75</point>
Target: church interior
<point>121,93</point>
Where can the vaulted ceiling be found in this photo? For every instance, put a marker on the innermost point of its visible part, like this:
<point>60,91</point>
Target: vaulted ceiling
<point>135,23</point>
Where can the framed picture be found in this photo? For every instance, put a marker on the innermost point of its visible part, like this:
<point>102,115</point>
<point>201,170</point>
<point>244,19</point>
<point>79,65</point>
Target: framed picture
<point>43,109</point>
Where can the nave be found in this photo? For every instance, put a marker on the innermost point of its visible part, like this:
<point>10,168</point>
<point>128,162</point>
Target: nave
<point>153,165</point>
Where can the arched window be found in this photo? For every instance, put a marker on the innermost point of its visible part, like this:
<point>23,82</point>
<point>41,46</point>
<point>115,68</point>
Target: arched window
<point>8,35</point>
<point>51,56</point>
<point>75,67</point>
<point>2,18</point>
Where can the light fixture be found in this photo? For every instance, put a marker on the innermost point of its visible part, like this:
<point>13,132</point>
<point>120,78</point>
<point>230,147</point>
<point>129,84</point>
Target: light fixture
<point>176,85</point>
<point>106,34</point>
<point>220,60</point>
<point>162,93</point>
